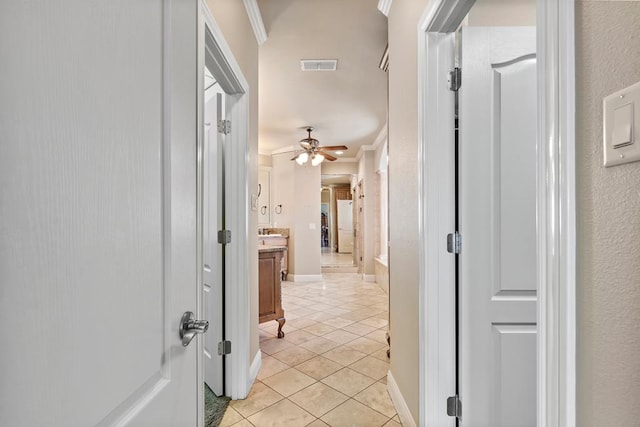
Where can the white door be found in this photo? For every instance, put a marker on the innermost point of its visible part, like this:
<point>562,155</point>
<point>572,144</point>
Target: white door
<point>345,226</point>
<point>97,213</point>
<point>497,200</point>
<point>212,254</point>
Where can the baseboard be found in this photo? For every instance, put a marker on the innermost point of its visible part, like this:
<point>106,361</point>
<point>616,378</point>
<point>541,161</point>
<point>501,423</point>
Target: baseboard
<point>398,401</point>
<point>369,278</point>
<point>304,277</point>
<point>255,368</point>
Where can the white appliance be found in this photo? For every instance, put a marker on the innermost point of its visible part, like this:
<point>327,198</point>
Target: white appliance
<point>345,226</point>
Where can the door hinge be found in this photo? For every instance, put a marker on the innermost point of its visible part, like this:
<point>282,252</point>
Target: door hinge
<point>454,243</point>
<point>455,79</point>
<point>224,127</point>
<point>454,407</point>
<point>224,236</point>
<point>224,347</point>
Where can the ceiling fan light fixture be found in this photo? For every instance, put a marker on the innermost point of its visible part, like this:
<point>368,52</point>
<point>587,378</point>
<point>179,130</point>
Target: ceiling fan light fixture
<point>302,158</point>
<point>317,159</point>
<point>340,152</point>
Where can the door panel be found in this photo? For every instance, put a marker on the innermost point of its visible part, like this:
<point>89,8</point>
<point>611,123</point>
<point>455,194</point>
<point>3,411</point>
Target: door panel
<point>497,293</point>
<point>97,200</point>
<point>213,203</point>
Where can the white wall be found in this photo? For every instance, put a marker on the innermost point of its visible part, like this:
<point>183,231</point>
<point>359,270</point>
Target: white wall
<point>608,306</point>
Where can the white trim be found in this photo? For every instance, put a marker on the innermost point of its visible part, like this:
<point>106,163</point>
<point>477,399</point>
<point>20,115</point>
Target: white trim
<point>398,401</point>
<point>369,278</point>
<point>555,210</point>
<point>255,368</point>
<point>233,82</point>
<point>255,18</point>
<point>557,218</point>
<point>304,277</point>
<point>384,6</point>
<point>436,213</point>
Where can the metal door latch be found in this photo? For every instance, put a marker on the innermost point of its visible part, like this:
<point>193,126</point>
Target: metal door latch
<point>189,327</point>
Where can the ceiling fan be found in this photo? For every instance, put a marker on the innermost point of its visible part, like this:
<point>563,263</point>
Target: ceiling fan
<point>311,149</point>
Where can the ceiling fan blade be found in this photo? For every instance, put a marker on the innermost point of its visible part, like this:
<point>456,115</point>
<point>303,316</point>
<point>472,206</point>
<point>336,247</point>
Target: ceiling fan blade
<point>333,147</point>
<point>327,156</point>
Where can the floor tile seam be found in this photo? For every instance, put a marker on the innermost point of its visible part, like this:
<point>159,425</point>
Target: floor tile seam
<point>363,404</point>
<point>373,409</point>
<point>326,385</point>
<point>290,401</point>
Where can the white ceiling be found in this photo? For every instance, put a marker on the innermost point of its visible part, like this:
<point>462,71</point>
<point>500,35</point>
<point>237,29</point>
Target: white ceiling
<point>347,106</point>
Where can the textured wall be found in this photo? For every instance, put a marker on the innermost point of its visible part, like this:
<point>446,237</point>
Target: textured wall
<point>608,306</point>
<point>403,197</point>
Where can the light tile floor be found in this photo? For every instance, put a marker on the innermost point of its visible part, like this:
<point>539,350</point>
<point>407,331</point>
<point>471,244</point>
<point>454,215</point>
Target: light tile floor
<point>335,259</point>
<point>330,368</point>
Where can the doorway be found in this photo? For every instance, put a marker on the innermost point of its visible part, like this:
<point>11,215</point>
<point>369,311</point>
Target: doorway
<point>337,224</point>
<point>444,331</point>
<point>232,217</point>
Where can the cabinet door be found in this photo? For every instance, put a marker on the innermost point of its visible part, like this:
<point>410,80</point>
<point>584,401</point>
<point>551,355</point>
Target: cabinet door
<point>269,270</point>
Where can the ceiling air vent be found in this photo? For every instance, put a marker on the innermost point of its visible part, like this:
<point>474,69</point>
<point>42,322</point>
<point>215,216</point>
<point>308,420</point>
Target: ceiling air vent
<point>318,64</point>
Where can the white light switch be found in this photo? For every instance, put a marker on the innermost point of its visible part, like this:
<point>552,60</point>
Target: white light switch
<point>621,124</point>
<point>312,226</point>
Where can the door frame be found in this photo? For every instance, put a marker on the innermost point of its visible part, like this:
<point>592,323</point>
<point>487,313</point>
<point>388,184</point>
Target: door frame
<point>556,266</point>
<point>216,53</point>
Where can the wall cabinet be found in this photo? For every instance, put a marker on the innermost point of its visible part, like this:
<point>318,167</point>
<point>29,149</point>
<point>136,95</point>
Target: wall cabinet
<point>270,294</point>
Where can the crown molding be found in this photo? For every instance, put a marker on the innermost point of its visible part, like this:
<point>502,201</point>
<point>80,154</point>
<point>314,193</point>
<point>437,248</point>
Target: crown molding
<point>283,150</point>
<point>382,136</point>
<point>384,6</point>
<point>255,18</point>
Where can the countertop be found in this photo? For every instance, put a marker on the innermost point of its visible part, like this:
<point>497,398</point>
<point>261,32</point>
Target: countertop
<point>268,248</point>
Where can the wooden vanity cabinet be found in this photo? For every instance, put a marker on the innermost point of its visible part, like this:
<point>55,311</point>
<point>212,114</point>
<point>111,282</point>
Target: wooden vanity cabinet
<point>267,240</point>
<point>269,284</point>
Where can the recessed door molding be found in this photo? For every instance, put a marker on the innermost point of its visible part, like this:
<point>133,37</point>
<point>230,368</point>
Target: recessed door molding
<point>214,51</point>
<point>555,210</point>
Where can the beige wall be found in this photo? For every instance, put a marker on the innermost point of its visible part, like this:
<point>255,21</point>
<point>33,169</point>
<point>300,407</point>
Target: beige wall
<point>502,13</point>
<point>367,175</point>
<point>297,189</point>
<point>231,17</point>
<point>339,168</point>
<point>264,160</point>
<point>403,197</point>
<point>608,306</point>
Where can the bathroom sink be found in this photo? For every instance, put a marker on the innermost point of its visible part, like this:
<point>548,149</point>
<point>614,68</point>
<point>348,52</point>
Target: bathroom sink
<point>271,235</point>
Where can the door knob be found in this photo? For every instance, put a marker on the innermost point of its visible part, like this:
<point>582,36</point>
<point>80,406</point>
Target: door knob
<point>189,327</point>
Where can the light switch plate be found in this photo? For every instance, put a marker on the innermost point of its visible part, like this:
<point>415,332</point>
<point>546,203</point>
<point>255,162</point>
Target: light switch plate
<point>621,133</point>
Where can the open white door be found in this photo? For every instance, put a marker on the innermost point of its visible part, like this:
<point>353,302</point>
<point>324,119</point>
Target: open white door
<point>213,215</point>
<point>497,213</point>
<point>98,213</point>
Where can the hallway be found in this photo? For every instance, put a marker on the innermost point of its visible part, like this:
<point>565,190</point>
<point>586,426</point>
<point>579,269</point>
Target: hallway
<point>330,368</point>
